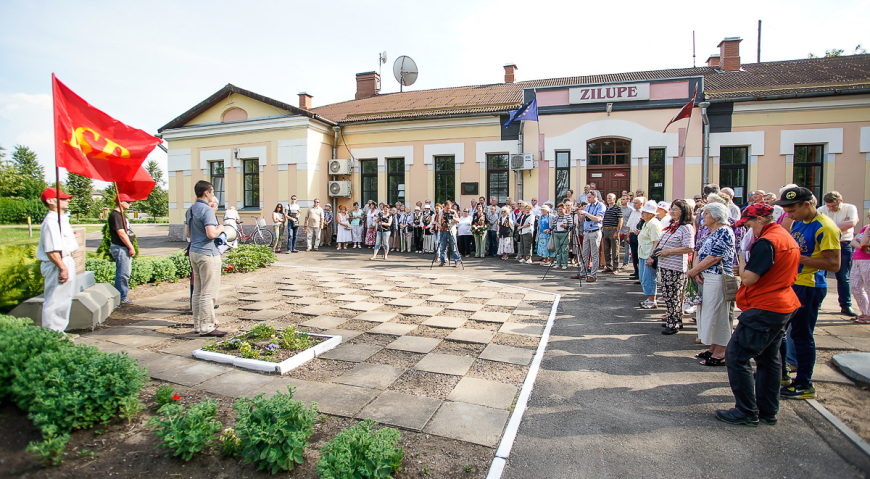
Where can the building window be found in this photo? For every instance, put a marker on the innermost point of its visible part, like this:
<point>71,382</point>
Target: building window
<point>251,170</point>
<point>733,167</point>
<point>563,174</point>
<point>608,152</point>
<point>445,177</point>
<point>497,169</point>
<point>369,179</point>
<point>808,165</point>
<point>395,180</point>
<point>216,173</point>
<point>656,185</point>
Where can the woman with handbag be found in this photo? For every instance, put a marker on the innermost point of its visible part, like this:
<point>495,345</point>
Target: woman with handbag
<point>479,228</point>
<point>714,266</point>
<point>546,242</point>
<point>525,227</point>
<point>677,241</point>
<point>646,240</point>
<point>562,226</point>
<point>505,233</point>
<point>343,235</point>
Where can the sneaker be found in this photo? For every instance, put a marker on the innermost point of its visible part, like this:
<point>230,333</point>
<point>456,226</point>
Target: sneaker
<point>214,333</point>
<point>786,379</point>
<point>798,391</point>
<point>126,301</point>
<point>769,420</point>
<point>649,305</point>
<point>733,416</point>
<point>564,267</point>
<point>689,310</point>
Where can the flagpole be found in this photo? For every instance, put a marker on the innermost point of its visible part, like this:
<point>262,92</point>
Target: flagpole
<point>56,168</point>
<point>686,136</point>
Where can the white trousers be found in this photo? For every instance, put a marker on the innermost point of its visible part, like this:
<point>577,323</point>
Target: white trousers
<point>58,296</point>
<point>313,237</point>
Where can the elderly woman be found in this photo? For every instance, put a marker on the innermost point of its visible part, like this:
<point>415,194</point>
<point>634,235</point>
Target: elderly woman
<point>357,224</point>
<point>634,226</point>
<point>525,229</point>
<point>505,233</point>
<point>544,233</point>
<point>478,229</point>
<point>715,259</point>
<point>561,226</point>
<point>674,246</point>
<point>646,240</point>
<point>371,223</point>
<point>343,235</point>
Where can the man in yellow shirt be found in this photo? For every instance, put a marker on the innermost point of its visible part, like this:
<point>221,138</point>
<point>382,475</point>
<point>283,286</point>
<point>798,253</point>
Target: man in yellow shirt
<point>819,241</point>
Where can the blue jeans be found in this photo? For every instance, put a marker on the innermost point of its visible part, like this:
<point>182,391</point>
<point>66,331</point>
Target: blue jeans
<point>123,268</point>
<point>445,238</point>
<point>801,328</point>
<point>382,238</point>
<point>647,277</point>
<point>844,295</point>
<point>492,243</point>
<point>291,236</point>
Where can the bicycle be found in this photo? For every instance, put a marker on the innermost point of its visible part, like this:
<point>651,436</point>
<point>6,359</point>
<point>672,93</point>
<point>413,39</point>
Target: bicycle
<point>260,236</point>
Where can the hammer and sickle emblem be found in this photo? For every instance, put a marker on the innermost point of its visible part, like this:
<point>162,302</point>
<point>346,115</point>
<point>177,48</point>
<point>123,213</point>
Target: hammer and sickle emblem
<point>79,141</point>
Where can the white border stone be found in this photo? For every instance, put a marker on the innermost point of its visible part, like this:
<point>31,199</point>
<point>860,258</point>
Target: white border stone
<point>283,367</point>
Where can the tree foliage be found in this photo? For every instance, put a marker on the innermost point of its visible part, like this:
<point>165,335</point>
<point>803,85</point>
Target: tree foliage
<point>157,203</point>
<point>837,52</point>
<point>81,187</point>
<point>31,172</point>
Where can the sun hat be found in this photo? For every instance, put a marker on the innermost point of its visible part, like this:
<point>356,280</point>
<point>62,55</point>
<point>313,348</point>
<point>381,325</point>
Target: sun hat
<point>649,207</point>
<point>416,208</point>
<point>664,205</point>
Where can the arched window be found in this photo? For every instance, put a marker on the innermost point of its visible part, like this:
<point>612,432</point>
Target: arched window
<point>608,152</point>
<point>234,114</point>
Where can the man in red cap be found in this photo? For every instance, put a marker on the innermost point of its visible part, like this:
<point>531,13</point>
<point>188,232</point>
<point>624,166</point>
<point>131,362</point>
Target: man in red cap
<point>121,247</point>
<point>56,246</point>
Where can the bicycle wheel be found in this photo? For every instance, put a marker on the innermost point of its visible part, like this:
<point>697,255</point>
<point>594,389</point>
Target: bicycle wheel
<point>262,237</point>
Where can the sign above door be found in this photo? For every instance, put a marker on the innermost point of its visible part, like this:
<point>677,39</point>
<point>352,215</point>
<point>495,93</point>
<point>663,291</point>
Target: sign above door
<point>599,94</point>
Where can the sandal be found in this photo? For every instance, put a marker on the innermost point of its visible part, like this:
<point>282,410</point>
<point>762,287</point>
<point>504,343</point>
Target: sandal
<point>704,355</point>
<point>711,361</point>
<point>863,319</point>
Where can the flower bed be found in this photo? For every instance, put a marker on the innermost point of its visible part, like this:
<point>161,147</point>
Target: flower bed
<point>268,350</point>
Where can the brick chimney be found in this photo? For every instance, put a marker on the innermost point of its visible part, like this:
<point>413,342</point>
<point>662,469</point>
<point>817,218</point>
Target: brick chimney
<point>367,84</point>
<point>729,54</point>
<point>713,60</point>
<point>305,101</point>
<point>509,70</point>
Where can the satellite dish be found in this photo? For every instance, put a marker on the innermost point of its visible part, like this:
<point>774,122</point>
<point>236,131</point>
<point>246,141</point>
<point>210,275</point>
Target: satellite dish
<point>405,71</point>
<point>383,57</point>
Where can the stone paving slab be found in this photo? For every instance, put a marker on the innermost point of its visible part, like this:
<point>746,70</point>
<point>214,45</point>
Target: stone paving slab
<point>259,306</point>
<point>444,298</point>
<point>105,346</point>
<point>378,286</point>
<point>159,363</point>
<point>356,353</point>
<point>376,316</point>
<point>508,354</point>
<point>468,422</point>
<point>131,337</point>
<point>309,300</point>
<point>316,310</point>
<point>158,314</point>
<point>191,375</point>
<point>260,297</point>
<point>375,376</point>
<point>296,293</point>
<point>346,334</point>
<point>394,329</point>
<point>337,399</point>
<point>522,329</point>
<point>457,287</point>
<point>187,347</point>
<point>446,322</point>
<point>506,302</point>
<point>481,294</point>
<point>414,344</point>
<point>532,311</point>
<point>484,393</point>
<point>407,302</point>
<point>854,365</point>
<point>445,280</point>
<point>267,315</point>
<point>351,297</point>
<point>361,306</point>
<point>490,316</point>
<point>826,341</point>
<point>151,324</point>
<point>427,291</point>
<point>390,294</point>
<point>423,311</point>
<point>324,322</point>
<point>460,306</point>
<point>467,335</point>
<point>824,373</point>
<point>445,364</point>
<point>401,410</point>
<point>539,297</point>
<point>236,383</point>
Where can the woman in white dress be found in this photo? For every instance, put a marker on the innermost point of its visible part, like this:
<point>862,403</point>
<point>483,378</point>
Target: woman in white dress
<point>344,234</point>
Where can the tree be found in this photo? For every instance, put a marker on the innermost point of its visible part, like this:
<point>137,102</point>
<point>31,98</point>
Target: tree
<point>157,203</point>
<point>31,172</point>
<point>81,188</point>
<point>832,52</point>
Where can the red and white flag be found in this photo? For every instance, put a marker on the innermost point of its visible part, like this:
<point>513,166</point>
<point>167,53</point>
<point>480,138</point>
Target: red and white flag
<point>685,111</point>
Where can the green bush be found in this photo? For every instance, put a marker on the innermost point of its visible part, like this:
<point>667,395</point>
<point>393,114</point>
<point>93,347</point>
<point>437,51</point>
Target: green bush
<point>185,433</point>
<point>76,387</point>
<point>16,210</point>
<point>20,276</point>
<point>19,345</point>
<point>141,272</point>
<point>50,449</point>
<point>273,431</point>
<point>86,221</point>
<point>163,269</point>
<point>104,269</point>
<point>182,264</point>
<point>11,322</point>
<point>359,451</point>
<point>165,395</point>
<point>248,257</point>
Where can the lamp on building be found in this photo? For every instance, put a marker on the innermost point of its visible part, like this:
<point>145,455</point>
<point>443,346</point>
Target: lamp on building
<point>609,108</point>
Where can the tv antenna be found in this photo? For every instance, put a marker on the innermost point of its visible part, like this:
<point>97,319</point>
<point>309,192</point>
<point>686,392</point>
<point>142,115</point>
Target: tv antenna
<point>382,58</point>
<point>405,71</point>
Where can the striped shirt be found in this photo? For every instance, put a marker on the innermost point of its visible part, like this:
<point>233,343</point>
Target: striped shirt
<point>562,224</point>
<point>612,216</point>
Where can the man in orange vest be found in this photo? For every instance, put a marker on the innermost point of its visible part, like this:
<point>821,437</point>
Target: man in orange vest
<point>767,305</point>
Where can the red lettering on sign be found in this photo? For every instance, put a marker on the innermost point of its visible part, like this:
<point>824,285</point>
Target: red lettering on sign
<point>632,91</point>
<point>619,174</point>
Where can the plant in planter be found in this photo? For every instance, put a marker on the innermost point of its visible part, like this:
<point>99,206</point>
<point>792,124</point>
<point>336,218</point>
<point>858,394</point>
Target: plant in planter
<point>264,342</point>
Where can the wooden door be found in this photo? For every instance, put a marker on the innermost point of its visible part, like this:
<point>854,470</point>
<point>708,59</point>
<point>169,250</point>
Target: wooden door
<point>609,180</point>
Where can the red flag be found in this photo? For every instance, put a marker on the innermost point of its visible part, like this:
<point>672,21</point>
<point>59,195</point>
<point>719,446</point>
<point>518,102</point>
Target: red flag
<point>685,111</point>
<point>138,188</point>
<point>90,143</point>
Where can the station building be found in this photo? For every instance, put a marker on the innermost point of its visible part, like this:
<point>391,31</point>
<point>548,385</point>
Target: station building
<point>754,126</point>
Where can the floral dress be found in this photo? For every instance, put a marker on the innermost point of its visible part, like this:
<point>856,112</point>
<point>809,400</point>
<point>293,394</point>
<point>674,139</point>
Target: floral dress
<point>544,238</point>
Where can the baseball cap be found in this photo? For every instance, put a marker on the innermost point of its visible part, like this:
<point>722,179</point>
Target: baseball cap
<point>52,193</point>
<point>125,197</point>
<point>794,195</point>
<point>754,211</point>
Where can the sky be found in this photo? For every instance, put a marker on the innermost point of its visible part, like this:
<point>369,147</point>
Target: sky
<point>145,63</point>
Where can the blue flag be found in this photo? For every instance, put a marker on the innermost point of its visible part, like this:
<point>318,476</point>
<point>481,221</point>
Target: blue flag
<point>529,111</point>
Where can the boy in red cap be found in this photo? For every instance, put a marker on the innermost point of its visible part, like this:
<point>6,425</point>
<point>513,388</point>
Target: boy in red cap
<point>56,246</point>
<point>121,247</point>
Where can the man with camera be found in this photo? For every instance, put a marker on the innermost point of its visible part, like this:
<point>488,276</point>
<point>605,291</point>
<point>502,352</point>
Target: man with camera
<point>205,259</point>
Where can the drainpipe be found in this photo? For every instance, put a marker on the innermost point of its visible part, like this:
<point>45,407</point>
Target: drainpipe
<point>705,161</point>
<point>337,130</point>
<point>518,174</point>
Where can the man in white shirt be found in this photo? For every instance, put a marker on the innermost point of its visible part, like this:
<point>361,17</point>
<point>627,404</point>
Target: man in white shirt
<point>733,210</point>
<point>845,215</point>
<point>770,198</point>
<point>56,246</point>
<point>314,223</point>
<point>231,218</point>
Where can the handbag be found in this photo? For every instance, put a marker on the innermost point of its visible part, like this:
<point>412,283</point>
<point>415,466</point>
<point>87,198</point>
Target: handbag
<point>551,244</point>
<point>730,284</point>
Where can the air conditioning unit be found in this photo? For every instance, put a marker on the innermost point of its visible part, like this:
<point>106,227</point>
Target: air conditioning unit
<point>523,161</point>
<point>339,167</point>
<point>339,188</point>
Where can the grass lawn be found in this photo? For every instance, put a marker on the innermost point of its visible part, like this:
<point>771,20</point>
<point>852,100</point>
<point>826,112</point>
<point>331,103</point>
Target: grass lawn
<point>17,235</point>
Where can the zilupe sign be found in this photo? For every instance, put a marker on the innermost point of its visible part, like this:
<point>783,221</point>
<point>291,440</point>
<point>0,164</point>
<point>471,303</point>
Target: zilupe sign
<point>597,94</point>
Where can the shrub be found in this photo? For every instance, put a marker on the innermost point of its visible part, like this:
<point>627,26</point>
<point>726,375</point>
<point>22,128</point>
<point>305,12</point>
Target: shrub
<point>182,264</point>
<point>20,345</point>
<point>16,211</point>
<point>20,276</point>
<point>359,452</point>
<point>273,431</point>
<point>50,449</point>
<point>249,257</point>
<point>103,249</point>
<point>76,387</point>
<point>11,322</point>
<point>165,395</point>
<point>104,269</point>
<point>185,433</point>
<point>163,269</point>
<point>141,272</point>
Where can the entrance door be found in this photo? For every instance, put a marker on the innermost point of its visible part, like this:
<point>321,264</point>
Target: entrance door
<point>609,180</point>
<point>608,165</point>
